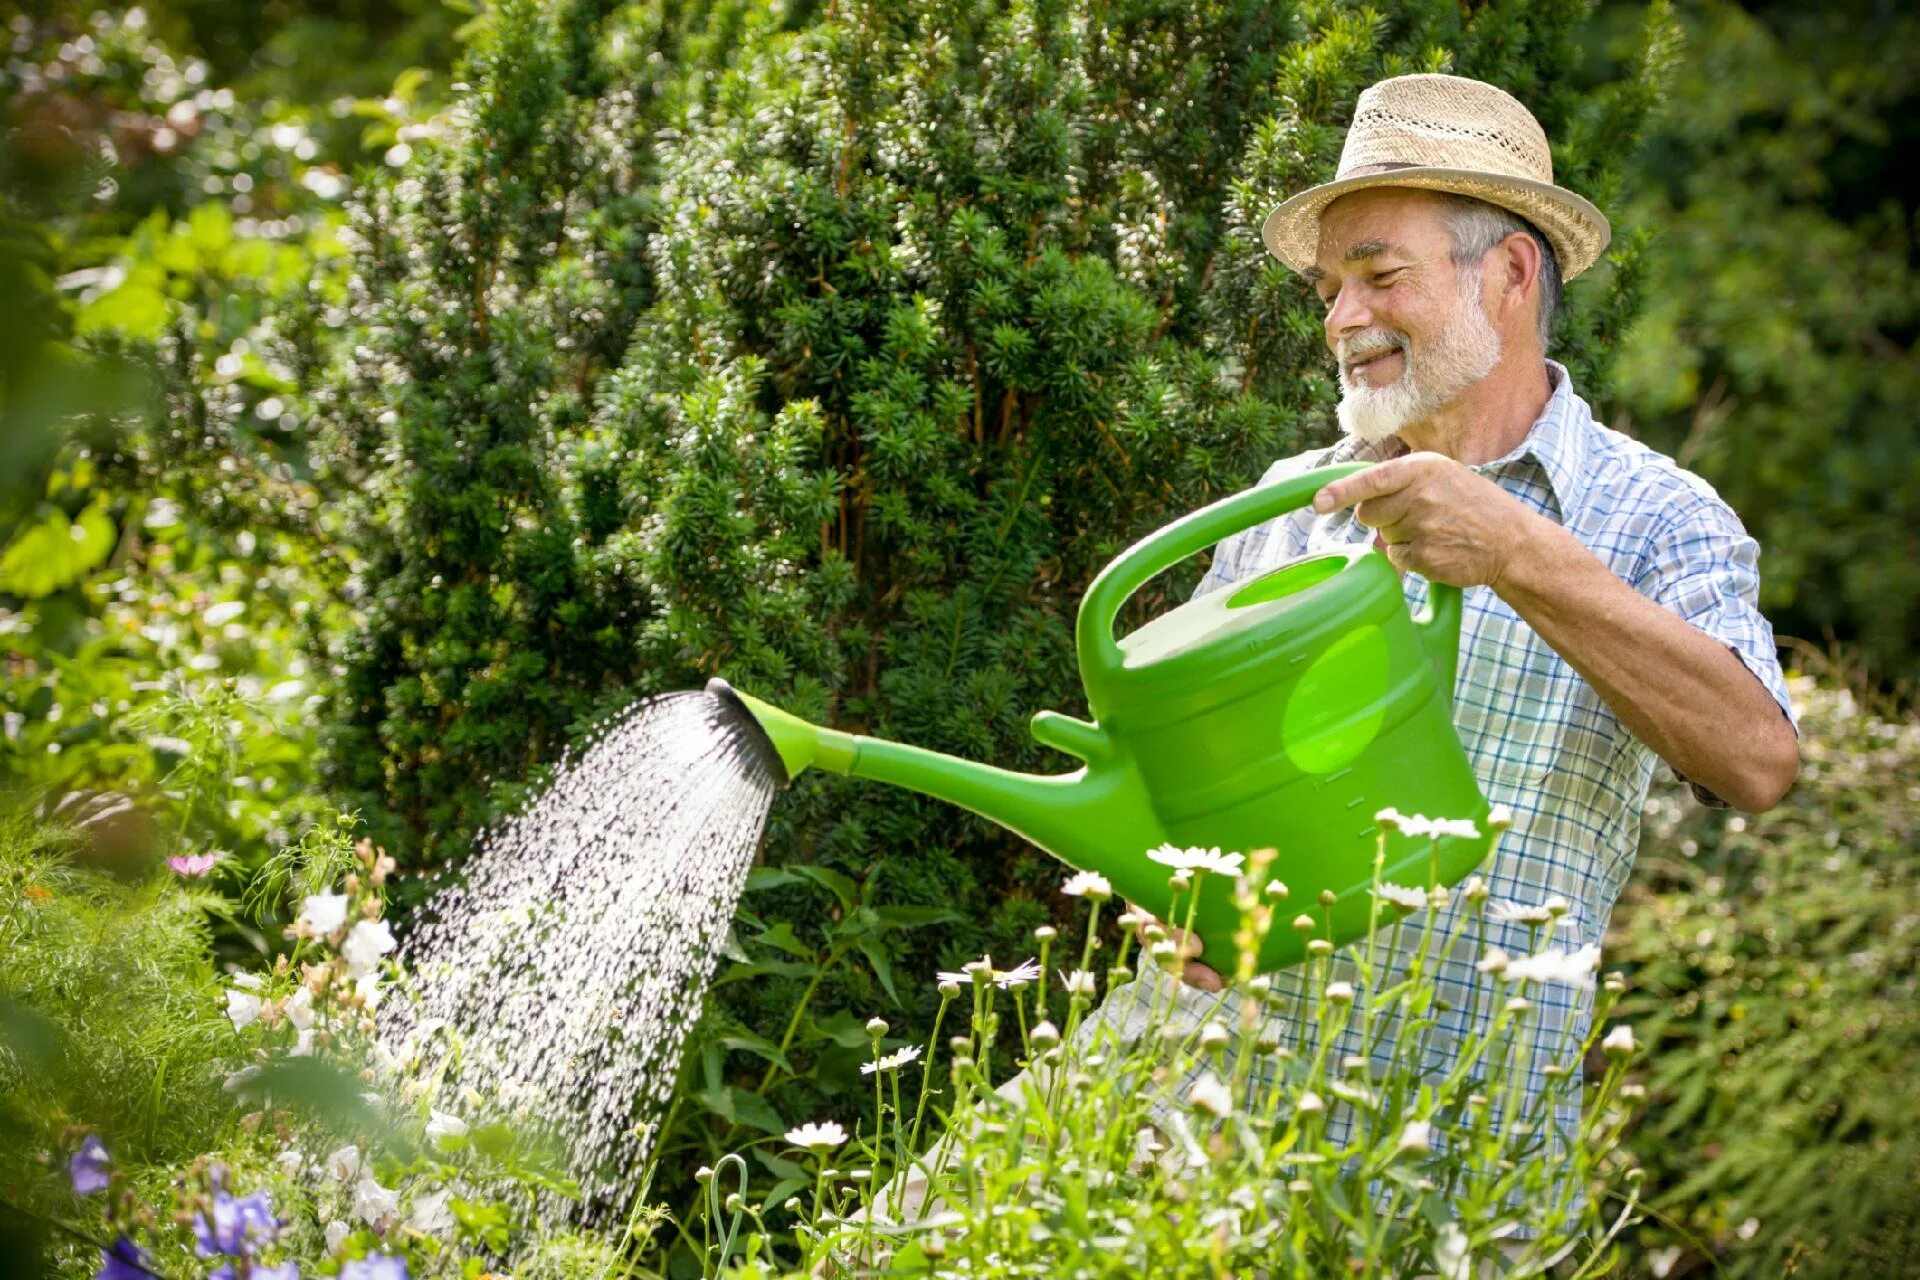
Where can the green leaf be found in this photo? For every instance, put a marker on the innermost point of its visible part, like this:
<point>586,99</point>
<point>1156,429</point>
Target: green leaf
<point>882,965</point>
<point>783,937</point>
<point>56,552</point>
<point>741,1106</point>
<point>841,886</point>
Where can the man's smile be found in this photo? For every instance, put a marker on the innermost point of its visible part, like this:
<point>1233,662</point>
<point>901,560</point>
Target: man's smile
<point>1378,369</point>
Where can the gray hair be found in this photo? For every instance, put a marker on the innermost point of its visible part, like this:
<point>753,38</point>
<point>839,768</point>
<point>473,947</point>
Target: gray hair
<point>1476,226</point>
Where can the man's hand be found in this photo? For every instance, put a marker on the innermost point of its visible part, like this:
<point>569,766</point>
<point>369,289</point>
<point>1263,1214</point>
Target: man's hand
<point>1437,518</point>
<point>1195,974</point>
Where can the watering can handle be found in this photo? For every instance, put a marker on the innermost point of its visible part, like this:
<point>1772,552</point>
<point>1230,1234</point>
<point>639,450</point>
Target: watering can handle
<point>1164,548</point>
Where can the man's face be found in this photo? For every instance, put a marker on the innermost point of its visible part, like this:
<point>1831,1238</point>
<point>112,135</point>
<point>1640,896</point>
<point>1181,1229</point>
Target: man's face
<point>1409,330</point>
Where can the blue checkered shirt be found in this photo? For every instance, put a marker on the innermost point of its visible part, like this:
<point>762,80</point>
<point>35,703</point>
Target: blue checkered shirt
<point>1540,738</point>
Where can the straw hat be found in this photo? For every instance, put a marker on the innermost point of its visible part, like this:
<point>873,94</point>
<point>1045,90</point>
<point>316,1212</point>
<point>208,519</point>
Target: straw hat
<point>1446,133</point>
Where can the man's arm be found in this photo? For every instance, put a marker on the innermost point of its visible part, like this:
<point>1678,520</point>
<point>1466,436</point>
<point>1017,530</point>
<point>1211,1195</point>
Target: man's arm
<point>1676,688</point>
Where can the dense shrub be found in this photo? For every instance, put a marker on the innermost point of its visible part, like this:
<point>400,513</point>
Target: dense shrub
<point>1776,970</point>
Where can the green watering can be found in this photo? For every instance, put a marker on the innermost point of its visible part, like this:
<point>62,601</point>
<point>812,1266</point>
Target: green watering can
<point>1283,713</point>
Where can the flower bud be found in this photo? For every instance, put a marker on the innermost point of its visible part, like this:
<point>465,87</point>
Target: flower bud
<point>1044,1035</point>
<point>876,1027</point>
<point>1045,933</point>
<point>1304,923</point>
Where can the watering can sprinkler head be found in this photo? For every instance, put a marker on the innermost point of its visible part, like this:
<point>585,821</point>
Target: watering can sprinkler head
<point>1282,714</point>
<point>794,743</point>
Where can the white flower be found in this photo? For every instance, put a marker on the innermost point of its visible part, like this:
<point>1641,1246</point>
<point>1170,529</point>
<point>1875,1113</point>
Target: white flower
<point>243,1007</point>
<point>1340,992</point>
<point>248,981</point>
<point>1436,828</point>
<point>1474,889</point>
<point>1403,897</point>
<point>336,1232</point>
<point>818,1137</point>
<point>1569,968</point>
<point>1499,817</point>
<point>289,1161</point>
<point>1495,961</point>
<point>1080,982</point>
<point>1276,889</point>
<point>1226,864</point>
<point>302,1046</point>
<point>1416,1138</point>
<point>322,913</point>
<point>1514,913</point>
<point>299,1008</point>
<point>374,1204</point>
<point>1211,1096</point>
<point>368,988</point>
<point>1018,976</point>
<point>1088,884</point>
<point>1310,1103</point>
<point>441,1125</point>
<point>366,942</point>
<point>343,1164</point>
<point>1619,1041</point>
<point>431,1213</point>
<point>1213,1035</point>
<point>892,1062</point>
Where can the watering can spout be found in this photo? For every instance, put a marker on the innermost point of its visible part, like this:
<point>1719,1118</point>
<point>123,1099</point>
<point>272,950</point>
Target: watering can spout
<point>1060,813</point>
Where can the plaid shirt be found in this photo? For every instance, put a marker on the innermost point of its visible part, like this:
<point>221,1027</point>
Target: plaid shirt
<point>1539,737</point>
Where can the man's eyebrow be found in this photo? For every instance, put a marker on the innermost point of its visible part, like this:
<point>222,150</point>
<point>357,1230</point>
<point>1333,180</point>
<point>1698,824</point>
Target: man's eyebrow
<point>1358,253</point>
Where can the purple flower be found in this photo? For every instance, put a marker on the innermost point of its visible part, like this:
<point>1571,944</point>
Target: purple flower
<point>193,864</point>
<point>124,1261</point>
<point>284,1271</point>
<point>88,1167</point>
<point>238,1221</point>
<point>379,1266</point>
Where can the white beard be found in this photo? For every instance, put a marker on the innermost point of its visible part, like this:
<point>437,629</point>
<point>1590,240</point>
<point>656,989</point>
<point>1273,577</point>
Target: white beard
<point>1465,350</point>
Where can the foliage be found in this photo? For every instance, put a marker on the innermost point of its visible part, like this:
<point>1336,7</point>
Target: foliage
<point>840,371</point>
<point>1777,354</point>
<point>1180,1148</point>
<point>161,549</point>
<point>114,1031</point>
<point>108,1008</point>
<point>1776,965</point>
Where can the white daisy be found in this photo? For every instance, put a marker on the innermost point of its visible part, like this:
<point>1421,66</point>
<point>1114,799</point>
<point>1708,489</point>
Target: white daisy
<point>1619,1041</point>
<point>366,942</point>
<point>892,1062</point>
<point>1080,982</point>
<point>1088,884</point>
<point>1568,968</point>
<point>1018,976</point>
<point>1514,913</point>
<point>1211,1096</point>
<point>818,1137</point>
<point>1196,859</point>
<point>1407,899</point>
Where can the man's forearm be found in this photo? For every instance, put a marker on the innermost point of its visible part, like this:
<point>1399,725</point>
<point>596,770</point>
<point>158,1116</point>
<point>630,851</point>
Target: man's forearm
<point>1677,689</point>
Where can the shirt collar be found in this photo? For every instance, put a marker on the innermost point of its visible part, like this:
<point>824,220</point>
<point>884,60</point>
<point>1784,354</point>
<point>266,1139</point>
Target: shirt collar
<point>1556,442</point>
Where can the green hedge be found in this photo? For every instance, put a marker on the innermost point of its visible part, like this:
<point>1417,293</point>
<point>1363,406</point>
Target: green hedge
<point>1775,962</point>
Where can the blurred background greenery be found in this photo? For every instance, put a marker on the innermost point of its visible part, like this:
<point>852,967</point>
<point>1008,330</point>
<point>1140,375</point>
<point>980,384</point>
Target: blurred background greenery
<point>240,383</point>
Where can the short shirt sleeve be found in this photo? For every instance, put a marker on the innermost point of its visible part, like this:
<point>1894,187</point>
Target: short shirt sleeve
<point>1703,565</point>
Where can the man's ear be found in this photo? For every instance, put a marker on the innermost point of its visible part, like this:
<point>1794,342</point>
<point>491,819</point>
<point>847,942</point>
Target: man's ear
<point>1518,263</point>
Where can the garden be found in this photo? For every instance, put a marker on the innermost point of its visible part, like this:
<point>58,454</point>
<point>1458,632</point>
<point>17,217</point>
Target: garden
<point>395,397</point>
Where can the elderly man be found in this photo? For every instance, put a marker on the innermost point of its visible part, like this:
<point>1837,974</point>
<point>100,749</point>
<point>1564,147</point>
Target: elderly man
<point>1610,595</point>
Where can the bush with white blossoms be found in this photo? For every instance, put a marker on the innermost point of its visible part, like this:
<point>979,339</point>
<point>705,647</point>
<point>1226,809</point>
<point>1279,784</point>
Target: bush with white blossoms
<point>1212,1148</point>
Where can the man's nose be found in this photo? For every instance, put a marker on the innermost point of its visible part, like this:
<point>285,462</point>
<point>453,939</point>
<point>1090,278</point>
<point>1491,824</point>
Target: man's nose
<point>1349,314</point>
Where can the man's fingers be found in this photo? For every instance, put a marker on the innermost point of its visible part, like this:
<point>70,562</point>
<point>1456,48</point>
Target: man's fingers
<point>1375,482</point>
<point>1198,975</point>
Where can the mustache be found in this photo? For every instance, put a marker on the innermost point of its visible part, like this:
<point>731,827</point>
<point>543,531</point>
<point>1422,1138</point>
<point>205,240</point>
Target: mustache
<point>1368,344</point>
